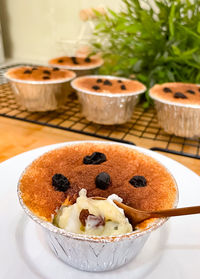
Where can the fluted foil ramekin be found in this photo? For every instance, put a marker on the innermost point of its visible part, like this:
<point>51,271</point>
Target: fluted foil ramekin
<point>40,95</point>
<point>95,253</point>
<point>182,120</point>
<point>107,108</point>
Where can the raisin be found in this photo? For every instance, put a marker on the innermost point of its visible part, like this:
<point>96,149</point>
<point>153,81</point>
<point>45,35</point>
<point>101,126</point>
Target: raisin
<point>27,72</point>
<point>46,77</point>
<point>83,216</point>
<point>87,59</point>
<point>96,220</point>
<point>95,159</point>
<point>34,68</point>
<point>167,90</point>
<point>199,89</point>
<point>123,87</point>
<point>107,82</point>
<point>99,80</point>
<point>190,91</point>
<point>95,87</point>
<point>73,58</point>
<point>138,181</point>
<point>47,72</point>
<point>56,69</point>
<point>119,80</point>
<point>60,182</point>
<point>103,180</point>
<point>60,61</point>
<point>179,95</point>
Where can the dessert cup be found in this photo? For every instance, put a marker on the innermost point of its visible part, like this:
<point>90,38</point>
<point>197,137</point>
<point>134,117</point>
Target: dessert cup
<point>37,95</point>
<point>107,108</point>
<point>178,118</point>
<point>95,253</point>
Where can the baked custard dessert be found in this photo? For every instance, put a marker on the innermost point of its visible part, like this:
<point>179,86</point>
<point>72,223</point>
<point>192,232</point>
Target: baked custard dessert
<point>53,182</point>
<point>76,62</point>
<point>108,85</point>
<point>40,88</point>
<point>177,92</point>
<point>107,100</point>
<point>178,108</point>
<point>39,73</point>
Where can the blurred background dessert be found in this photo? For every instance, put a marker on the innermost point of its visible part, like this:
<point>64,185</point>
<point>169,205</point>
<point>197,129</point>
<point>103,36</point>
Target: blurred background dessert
<point>40,88</point>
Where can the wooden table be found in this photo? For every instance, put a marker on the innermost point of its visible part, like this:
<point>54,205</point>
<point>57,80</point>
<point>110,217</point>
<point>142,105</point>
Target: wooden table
<point>18,136</point>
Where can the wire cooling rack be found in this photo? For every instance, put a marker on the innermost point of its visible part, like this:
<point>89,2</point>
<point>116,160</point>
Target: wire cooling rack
<point>142,129</point>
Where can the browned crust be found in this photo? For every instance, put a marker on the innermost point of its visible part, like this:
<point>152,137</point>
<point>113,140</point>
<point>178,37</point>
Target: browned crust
<point>38,73</point>
<point>122,163</point>
<point>192,99</point>
<point>87,84</point>
<point>67,61</point>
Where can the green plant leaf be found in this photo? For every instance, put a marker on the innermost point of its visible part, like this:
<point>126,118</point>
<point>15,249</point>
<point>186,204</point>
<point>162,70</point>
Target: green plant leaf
<point>157,42</point>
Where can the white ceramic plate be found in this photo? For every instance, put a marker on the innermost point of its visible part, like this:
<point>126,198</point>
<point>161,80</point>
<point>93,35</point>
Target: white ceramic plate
<point>172,252</point>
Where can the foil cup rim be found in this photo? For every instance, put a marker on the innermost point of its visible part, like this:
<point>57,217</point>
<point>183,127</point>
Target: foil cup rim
<point>101,239</point>
<point>40,81</point>
<point>116,95</point>
<point>172,103</point>
<point>78,67</point>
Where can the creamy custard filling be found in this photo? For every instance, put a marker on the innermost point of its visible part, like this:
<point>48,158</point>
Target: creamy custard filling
<point>93,217</point>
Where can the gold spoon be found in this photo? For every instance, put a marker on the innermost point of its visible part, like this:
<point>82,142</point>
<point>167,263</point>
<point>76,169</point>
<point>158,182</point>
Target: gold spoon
<point>136,216</point>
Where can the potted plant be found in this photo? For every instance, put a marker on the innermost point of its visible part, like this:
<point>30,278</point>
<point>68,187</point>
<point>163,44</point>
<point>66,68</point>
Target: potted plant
<point>155,41</point>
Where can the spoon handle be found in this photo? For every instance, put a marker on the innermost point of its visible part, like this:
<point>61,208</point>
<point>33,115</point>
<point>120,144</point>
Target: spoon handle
<point>175,212</point>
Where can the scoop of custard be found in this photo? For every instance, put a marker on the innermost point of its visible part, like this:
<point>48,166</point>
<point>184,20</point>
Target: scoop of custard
<point>93,217</point>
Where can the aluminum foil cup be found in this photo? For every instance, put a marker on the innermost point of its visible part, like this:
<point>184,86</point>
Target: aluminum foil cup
<point>182,120</point>
<point>93,253</point>
<point>40,95</point>
<point>107,108</point>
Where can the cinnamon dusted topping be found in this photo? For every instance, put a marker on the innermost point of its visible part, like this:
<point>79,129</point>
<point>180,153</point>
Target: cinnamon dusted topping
<point>108,85</point>
<point>177,92</point>
<point>76,61</point>
<point>39,73</point>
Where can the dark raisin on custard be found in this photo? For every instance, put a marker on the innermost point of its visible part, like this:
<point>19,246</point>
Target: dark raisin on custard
<point>103,180</point>
<point>138,181</point>
<point>95,87</point>
<point>167,90</point>
<point>95,159</point>
<point>46,77</point>
<point>99,80</point>
<point>119,80</point>
<point>123,87</point>
<point>60,61</point>
<point>83,216</point>
<point>190,91</point>
<point>27,72</point>
<point>34,68</point>
<point>47,72</point>
<point>74,60</point>
<point>96,220</point>
<point>179,95</point>
<point>60,182</point>
<point>56,69</point>
<point>87,59</point>
<point>107,82</point>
